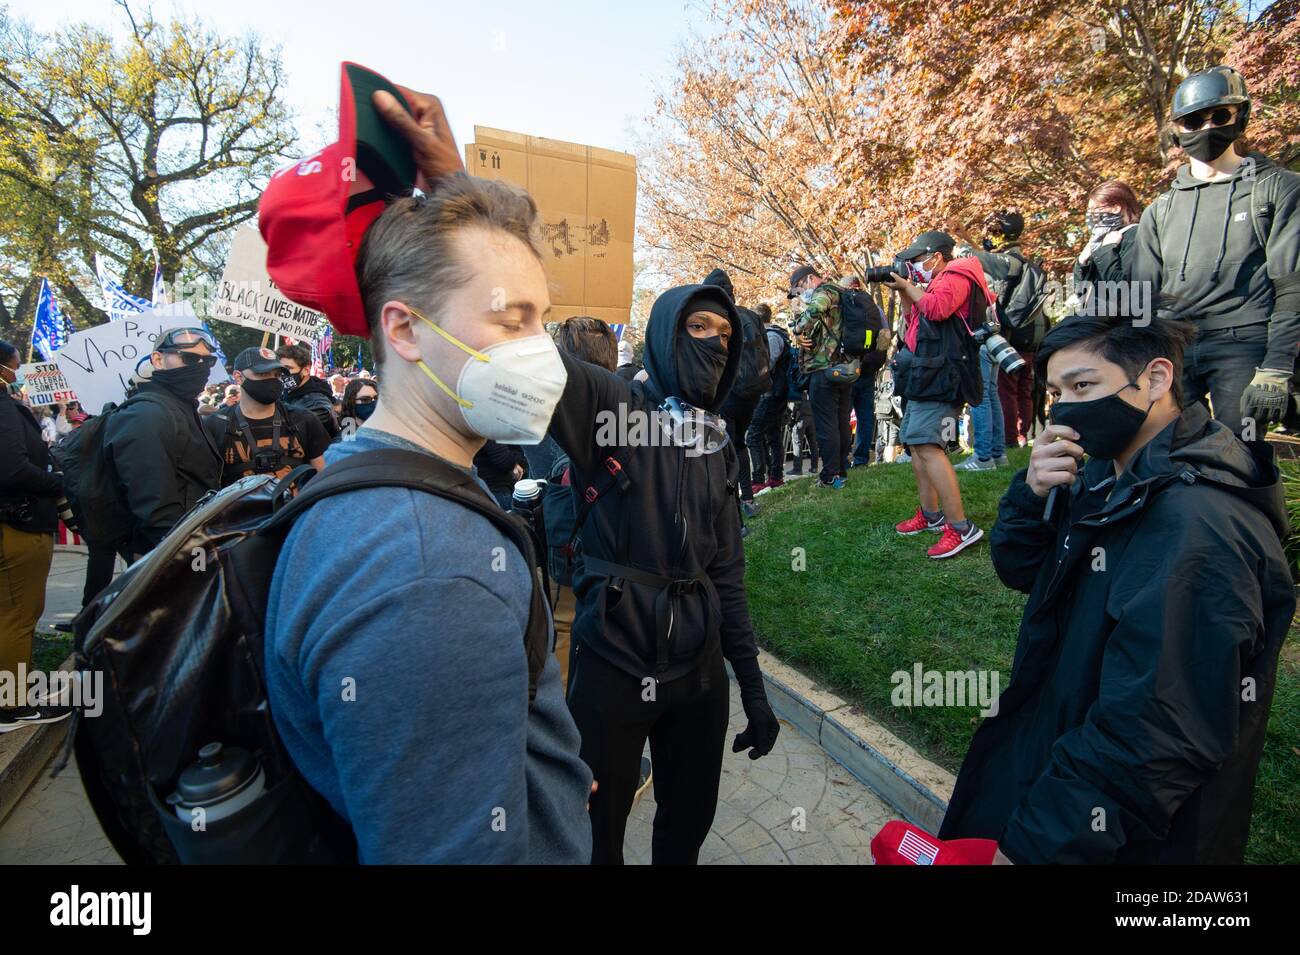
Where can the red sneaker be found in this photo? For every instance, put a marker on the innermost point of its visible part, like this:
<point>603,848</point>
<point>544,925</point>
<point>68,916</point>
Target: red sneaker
<point>775,482</point>
<point>760,486</point>
<point>917,524</point>
<point>954,542</point>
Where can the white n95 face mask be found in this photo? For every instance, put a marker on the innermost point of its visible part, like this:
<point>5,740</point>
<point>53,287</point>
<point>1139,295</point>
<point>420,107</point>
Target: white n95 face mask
<point>506,392</point>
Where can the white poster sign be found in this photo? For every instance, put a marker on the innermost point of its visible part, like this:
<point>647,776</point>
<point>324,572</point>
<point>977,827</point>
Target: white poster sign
<point>45,384</point>
<point>98,362</point>
<point>248,297</point>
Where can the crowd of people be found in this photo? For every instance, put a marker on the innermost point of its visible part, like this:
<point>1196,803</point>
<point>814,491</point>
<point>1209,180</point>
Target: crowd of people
<point>1127,696</point>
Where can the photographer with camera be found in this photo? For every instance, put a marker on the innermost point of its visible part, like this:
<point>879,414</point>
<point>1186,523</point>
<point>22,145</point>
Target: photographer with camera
<point>1159,598</point>
<point>939,371</point>
<point>1222,249</point>
<point>260,434</point>
<point>29,491</point>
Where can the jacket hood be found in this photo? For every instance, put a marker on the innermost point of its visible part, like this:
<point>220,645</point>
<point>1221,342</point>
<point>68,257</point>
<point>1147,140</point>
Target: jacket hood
<point>1185,180</point>
<point>313,386</point>
<point>660,355</point>
<point>971,267</point>
<point>1197,443</point>
<point>722,280</point>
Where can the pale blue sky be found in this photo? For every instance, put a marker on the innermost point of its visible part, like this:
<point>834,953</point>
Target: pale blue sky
<point>579,70</point>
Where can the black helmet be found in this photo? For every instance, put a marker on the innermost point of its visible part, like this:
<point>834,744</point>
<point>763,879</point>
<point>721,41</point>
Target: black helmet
<point>1009,222</point>
<point>1217,86</point>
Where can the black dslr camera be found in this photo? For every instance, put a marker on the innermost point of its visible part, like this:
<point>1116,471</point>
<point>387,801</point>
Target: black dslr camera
<point>883,273</point>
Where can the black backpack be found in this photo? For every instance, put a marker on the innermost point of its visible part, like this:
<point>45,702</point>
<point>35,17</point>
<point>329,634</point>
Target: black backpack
<point>755,375</point>
<point>1024,313</point>
<point>781,370</point>
<point>946,363</point>
<point>863,326</point>
<point>179,638</point>
<point>90,483</point>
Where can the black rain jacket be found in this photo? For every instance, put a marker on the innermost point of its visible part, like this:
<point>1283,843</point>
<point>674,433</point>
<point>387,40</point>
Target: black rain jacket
<point>1133,723</point>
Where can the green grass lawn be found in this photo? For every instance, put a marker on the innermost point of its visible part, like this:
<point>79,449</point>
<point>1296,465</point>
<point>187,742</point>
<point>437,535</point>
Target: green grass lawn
<point>871,603</point>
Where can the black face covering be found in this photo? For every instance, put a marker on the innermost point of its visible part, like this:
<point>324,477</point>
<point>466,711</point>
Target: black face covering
<point>184,382</point>
<point>1106,426</point>
<point>264,391</point>
<point>1209,144</point>
<point>700,364</point>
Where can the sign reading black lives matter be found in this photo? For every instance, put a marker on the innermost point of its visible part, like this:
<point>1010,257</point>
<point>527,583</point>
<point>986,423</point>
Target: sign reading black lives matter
<point>248,297</point>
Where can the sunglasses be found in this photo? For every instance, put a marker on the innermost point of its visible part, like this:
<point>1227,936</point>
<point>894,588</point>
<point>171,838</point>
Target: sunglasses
<point>189,359</point>
<point>1218,116</point>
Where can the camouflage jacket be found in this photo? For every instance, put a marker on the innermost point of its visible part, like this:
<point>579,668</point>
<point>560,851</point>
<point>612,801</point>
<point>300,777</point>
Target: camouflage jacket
<point>820,321</point>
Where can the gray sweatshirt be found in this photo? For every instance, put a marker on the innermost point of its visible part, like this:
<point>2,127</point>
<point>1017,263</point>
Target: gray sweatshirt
<point>1199,248</point>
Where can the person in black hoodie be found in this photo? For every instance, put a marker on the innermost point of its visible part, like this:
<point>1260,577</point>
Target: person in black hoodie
<point>164,459</point>
<point>1112,218</point>
<point>29,489</point>
<point>660,589</point>
<point>1159,598</point>
<point>1222,249</point>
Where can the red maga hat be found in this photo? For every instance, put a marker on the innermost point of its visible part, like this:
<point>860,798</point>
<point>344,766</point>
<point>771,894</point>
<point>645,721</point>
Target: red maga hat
<point>314,213</point>
<point>900,843</point>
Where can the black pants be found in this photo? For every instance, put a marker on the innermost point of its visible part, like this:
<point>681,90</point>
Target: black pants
<point>100,564</point>
<point>832,403</point>
<point>738,414</point>
<point>686,723</point>
<point>765,438</point>
<point>1220,364</point>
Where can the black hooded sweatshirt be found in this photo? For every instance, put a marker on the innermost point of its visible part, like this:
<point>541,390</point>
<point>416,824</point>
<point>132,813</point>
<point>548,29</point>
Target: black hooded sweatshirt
<point>1200,250</point>
<point>672,516</point>
<point>1157,601</point>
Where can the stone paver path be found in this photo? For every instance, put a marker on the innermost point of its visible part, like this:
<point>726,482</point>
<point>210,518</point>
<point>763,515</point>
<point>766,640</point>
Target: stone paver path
<point>794,806</point>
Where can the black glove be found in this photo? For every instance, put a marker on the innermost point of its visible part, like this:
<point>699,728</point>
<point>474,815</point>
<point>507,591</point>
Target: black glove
<point>760,735</point>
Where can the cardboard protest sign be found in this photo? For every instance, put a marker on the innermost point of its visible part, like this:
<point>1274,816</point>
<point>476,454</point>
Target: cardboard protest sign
<point>98,362</point>
<point>586,198</point>
<point>45,384</point>
<point>248,297</point>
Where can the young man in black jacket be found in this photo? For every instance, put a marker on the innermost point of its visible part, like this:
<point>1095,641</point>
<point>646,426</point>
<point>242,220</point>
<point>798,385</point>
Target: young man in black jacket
<point>163,458</point>
<point>1222,249</point>
<point>304,391</point>
<point>660,590</point>
<point>1159,597</point>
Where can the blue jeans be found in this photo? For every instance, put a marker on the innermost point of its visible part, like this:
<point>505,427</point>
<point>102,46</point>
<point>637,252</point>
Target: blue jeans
<point>986,417</point>
<point>864,406</point>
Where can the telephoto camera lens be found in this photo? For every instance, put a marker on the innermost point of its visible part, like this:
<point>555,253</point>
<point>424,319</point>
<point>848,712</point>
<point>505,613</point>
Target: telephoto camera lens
<point>1006,357</point>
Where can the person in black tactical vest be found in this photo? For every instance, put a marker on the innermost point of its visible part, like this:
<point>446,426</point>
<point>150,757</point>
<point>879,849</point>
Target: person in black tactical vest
<point>260,435</point>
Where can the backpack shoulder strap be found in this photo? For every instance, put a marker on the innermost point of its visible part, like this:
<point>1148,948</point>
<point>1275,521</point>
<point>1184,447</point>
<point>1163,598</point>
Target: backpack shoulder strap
<point>396,467</point>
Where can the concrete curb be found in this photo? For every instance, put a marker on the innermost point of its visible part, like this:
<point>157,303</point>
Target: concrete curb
<point>24,753</point>
<point>917,788</point>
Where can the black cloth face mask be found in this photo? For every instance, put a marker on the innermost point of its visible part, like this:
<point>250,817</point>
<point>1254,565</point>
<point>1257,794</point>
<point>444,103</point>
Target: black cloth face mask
<point>1209,144</point>
<point>264,391</point>
<point>184,382</point>
<point>700,364</point>
<point>1106,426</point>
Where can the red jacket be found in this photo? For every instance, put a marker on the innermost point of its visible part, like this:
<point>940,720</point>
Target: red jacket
<point>948,294</point>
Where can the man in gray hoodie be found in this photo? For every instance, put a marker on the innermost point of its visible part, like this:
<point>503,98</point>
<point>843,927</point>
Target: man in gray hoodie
<point>1220,249</point>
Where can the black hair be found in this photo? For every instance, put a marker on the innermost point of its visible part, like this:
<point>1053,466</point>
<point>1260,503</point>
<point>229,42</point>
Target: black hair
<point>764,313</point>
<point>350,393</point>
<point>1122,342</point>
<point>7,352</point>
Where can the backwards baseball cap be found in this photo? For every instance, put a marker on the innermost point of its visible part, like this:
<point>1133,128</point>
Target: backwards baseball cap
<point>314,213</point>
<point>797,276</point>
<point>927,243</point>
<point>901,843</point>
<point>257,359</point>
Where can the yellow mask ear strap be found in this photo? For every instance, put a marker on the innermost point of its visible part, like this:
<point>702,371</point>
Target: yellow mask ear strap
<point>438,381</point>
<point>451,338</point>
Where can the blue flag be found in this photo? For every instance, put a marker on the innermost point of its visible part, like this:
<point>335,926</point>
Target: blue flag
<point>118,302</point>
<point>50,330</point>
